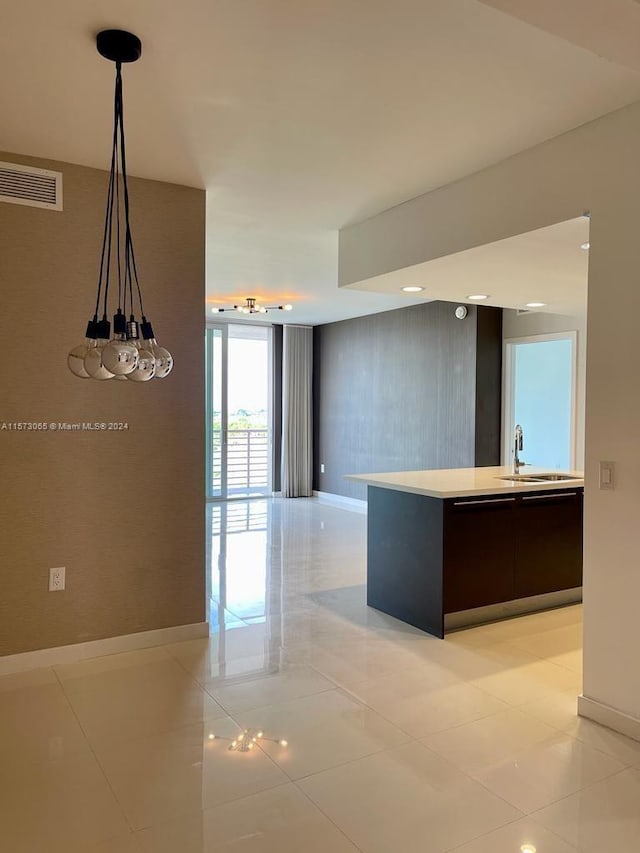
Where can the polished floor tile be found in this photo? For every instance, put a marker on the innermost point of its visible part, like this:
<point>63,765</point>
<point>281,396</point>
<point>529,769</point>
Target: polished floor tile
<point>227,649</point>
<point>470,663</point>
<point>62,805</point>
<point>127,668</point>
<point>36,721</point>
<point>29,678</point>
<point>122,844</point>
<point>165,775</point>
<point>420,703</point>
<point>477,746</point>
<point>406,799</point>
<point>137,700</point>
<point>603,817</point>
<point>548,772</point>
<point>281,820</point>
<point>522,836</point>
<point>247,692</point>
<point>313,627</point>
<point>361,660</point>
<point>533,623</point>
<point>397,742</point>
<point>623,748</point>
<point>528,682</point>
<point>552,641</point>
<point>322,731</point>
<point>559,710</point>
<point>571,660</point>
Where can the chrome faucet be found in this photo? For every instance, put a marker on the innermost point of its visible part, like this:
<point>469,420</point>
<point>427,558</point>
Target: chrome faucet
<point>518,437</point>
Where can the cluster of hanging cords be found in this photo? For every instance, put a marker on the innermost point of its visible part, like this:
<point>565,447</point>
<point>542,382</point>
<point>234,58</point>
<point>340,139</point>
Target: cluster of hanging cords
<point>131,271</point>
<point>106,238</point>
<point>118,159</point>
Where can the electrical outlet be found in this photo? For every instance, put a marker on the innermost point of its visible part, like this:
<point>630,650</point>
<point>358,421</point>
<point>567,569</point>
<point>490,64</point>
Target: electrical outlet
<point>57,579</point>
<point>322,467</point>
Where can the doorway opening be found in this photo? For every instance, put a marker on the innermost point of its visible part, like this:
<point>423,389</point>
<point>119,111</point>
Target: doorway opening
<point>540,394</point>
<point>238,411</point>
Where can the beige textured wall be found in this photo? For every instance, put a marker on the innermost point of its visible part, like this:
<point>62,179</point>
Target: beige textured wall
<point>595,167</point>
<point>123,511</point>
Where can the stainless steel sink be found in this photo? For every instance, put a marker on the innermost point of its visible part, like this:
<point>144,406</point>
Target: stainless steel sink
<point>521,478</point>
<point>537,478</point>
<point>552,478</point>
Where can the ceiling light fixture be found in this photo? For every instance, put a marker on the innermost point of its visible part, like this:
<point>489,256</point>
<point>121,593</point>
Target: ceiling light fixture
<point>125,355</point>
<point>586,246</point>
<point>412,288</point>
<point>536,304</point>
<point>478,297</point>
<point>251,307</point>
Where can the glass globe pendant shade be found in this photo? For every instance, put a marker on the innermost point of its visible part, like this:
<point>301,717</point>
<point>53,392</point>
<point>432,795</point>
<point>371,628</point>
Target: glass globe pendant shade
<point>120,356</point>
<point>146,366</point>
<point>75,360</point>
<point>163,359</point>
<point>93,361</point>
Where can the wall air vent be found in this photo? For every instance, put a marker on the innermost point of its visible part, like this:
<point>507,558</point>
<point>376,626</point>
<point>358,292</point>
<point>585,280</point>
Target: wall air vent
<point>28,185</point>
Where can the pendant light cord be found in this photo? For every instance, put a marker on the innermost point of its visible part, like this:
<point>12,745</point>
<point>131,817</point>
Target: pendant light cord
<point>118,170</point>
<point>131,271</point>
<point>106,238</point>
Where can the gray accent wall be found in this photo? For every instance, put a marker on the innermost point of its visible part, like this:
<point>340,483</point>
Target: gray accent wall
<point>409,389</point>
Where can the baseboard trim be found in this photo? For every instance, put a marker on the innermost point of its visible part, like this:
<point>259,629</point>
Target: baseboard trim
<point>609,717</point>
<point>341,501</point>
<point>97,648</point>
<point>508,609</point>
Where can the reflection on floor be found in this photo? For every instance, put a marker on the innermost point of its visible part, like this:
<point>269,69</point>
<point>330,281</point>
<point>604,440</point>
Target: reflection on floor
<point>397,742</point>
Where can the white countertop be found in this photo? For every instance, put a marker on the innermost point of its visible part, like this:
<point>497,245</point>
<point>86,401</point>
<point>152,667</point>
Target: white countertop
<point>460,482</point>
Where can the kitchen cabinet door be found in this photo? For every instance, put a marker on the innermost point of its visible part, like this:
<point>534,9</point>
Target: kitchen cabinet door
<point>548,543</point>
<point>479,552</point>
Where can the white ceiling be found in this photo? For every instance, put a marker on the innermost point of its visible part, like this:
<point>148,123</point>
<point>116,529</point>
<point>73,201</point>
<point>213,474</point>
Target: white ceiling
<point>547,265</point>
<point>298,117</point>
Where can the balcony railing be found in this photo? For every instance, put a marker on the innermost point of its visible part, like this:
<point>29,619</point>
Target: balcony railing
<point>247,461</point>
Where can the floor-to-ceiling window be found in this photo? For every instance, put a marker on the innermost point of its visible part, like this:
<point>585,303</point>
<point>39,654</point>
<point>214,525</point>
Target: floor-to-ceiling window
<point>238,411</point>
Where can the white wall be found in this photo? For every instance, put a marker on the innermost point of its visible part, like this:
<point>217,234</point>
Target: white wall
<point>597,168</point>
<point>516,325</point>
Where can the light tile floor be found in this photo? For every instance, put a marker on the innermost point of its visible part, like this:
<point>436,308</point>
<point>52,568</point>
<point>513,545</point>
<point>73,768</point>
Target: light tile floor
<point>397,742</point>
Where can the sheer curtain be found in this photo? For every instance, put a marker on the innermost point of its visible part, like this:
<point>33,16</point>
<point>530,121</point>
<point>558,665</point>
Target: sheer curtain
<point>297,428</point>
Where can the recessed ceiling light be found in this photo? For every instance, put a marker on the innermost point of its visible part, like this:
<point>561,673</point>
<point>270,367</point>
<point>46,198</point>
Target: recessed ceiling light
<point>412,289</point>
<point>536,304</point>
<point>478,296</point>
<point>527,848</point>
<point>585,246</point>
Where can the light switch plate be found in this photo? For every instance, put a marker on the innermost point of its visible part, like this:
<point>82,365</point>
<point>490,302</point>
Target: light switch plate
<point>607,475</point>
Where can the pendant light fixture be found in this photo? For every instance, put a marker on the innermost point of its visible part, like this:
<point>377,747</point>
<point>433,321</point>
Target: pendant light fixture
<point>251,306</point>
<point>132,352</point>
